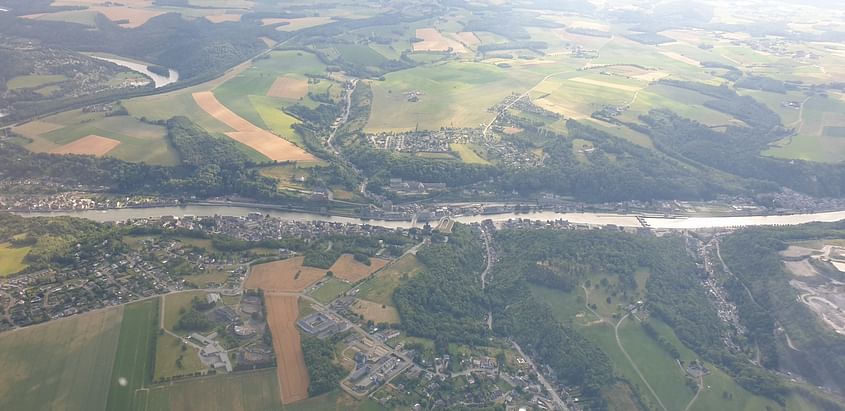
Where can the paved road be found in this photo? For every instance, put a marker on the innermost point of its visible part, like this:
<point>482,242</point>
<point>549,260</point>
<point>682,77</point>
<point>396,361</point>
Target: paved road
<point>556,398</point>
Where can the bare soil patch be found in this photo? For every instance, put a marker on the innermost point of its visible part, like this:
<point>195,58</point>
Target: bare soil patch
<point>285,275</point>
<point>801,268</point>
<point>263,141</point>
<point>92,144</point>
<point>349,269</point>
<point>606,84</point>
<point>433,40</point>
<point>288,87</point>
<point>282,312</point>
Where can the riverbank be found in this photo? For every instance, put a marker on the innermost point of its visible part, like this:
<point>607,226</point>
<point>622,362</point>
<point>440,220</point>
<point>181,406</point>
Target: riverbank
<point>597,219</point>
<point>141,67</point>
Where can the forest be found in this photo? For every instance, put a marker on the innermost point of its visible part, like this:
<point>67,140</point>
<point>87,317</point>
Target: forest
<point>752,255</point>
<point>323,372</point>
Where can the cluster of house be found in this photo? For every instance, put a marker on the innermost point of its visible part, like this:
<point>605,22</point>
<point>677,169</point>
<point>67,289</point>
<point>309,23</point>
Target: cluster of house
<point>399,186</point>
<point>72,198</point>
<point>425,141</point>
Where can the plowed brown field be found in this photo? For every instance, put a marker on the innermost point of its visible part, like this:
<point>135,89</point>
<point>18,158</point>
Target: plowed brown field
<point>248,134</point>
<point>282,312</point>
<point>347,268</point>
<point>93,145</point>
<point>285,275</point>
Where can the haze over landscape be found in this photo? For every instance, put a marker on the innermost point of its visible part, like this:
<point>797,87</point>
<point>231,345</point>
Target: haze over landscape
<point>369,205</point>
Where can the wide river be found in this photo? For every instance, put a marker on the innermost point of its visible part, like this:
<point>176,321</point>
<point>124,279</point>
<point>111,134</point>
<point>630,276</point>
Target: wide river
<point>622,220</point>
<point>158,80</point>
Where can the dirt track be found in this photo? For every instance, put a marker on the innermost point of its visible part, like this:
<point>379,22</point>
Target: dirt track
<point>282,312</point>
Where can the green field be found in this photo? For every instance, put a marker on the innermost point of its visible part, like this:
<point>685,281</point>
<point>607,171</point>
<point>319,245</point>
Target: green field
<point>814,140</point>
<point>12,259</point>
<point>467,154</point>
<point>33,81</point>
<point>330,290</point>
<point>177,304</point>
<point>246,391</point>
<point>454,94</point>
<point>64,364</point>
<point>171,360</point>
<point>166,106</point>
<point>139,141</point>
<point>134,360</point>
<point>380,287</point>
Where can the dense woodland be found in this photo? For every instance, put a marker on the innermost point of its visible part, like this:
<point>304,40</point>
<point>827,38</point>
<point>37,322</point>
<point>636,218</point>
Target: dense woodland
<point>324,373</point>
<point>445,302</point>
<point>752,255</point>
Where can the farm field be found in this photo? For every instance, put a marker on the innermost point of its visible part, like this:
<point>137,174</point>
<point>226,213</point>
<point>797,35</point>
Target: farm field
<point>380,287</point>
<point>172,361</point>
<point>12,259</point>
<point>64,364</point>
<point>335,401</point>
<point>454,94</point>
<point>284,275</point>
<point>133,362</point>
<point>89,145</point>
<point>349,269</point>
<point>272,146</point>
<point>282,312</point>
<point>819,133</point>
<point>247,391</point>
<point>122,137</point>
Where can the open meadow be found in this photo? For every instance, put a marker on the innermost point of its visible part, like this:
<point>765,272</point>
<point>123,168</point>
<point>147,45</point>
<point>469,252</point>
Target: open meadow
<point>64,364</point>
<point>12,259</point>
<point>380,287</point>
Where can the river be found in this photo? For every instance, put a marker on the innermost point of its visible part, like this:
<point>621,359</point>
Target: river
<point>622,220</point>
<point>158,80</point>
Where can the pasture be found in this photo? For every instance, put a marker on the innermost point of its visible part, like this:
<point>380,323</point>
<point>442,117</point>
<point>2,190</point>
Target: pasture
<point>282,312</point>
<point>434,40</point>
<point>133,363</point>
<point>349,269</point>
<point>12,259</point>
<point>244,391</point>
<point>64,364</point>
<point>284,275</point>
<point>380,287</point>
